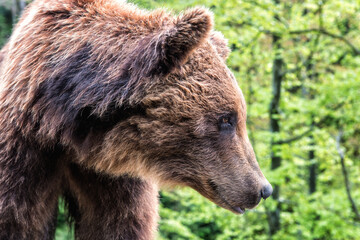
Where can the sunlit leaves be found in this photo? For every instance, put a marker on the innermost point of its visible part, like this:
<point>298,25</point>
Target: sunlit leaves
<point>320,91</point>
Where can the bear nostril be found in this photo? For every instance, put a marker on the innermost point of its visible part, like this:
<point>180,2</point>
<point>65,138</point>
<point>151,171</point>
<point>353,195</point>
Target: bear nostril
<point>266,191</point>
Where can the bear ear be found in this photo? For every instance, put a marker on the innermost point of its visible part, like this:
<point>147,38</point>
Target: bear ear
<point>190,30</point>
<point>162,52</point>
<point>220,43</point>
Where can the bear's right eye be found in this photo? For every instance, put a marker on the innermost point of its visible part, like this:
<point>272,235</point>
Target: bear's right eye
<point>227,122</point>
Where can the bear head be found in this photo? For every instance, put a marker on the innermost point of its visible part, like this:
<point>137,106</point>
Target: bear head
<point>126,91</point>
<point>186,121</point>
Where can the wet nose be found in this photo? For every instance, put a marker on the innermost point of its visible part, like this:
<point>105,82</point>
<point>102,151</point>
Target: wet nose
<point>266,191</point>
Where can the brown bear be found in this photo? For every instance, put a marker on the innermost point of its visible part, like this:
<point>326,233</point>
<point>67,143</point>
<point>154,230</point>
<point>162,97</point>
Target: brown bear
<point>103,103</point>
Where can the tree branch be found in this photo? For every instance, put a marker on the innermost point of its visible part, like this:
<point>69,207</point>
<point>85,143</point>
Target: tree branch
<point>325,32</point>
<point>267,8</point>
<point>346,177</point>
<point>261,29</point>
<point>293,139</point>
<point>317,124</point>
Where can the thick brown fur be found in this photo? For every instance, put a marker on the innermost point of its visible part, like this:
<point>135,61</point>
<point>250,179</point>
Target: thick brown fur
<point>102,103</point>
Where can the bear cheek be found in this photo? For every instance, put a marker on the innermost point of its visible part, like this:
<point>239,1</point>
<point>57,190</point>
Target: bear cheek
<point>236,189</point>
<point>235,178</point>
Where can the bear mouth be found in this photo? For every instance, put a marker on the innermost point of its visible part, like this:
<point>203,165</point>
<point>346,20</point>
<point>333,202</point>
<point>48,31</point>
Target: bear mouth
<point>239,210</point>
<point>235,209</point>
<point>225,203</point>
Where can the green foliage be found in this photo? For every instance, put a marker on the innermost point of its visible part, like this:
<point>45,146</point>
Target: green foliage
<point>64,230</point>
<point>320,92</point>
<point>5,24</point>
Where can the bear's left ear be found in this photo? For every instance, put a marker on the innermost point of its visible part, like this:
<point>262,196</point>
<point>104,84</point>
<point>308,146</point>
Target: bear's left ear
<point>220,43</point>
<point>162,52</point>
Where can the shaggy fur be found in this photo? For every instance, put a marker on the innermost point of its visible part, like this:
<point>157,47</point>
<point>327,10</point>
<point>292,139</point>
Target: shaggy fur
<point>102,103</point>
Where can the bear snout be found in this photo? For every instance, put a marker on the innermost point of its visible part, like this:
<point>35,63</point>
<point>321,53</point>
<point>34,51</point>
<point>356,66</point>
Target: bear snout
<point>266,191</point>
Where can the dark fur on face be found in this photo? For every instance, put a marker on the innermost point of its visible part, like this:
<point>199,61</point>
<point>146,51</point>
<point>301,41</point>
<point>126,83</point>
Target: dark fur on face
<point>102,102</point>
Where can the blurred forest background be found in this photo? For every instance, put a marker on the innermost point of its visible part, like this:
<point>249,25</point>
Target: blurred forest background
<point>298,65</point>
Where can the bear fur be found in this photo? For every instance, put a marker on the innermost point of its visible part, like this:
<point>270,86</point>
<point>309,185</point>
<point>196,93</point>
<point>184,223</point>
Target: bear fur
<point>102,103</point>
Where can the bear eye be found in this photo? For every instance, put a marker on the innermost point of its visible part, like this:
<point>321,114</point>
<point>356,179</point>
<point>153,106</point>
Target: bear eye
<point>227,122</point>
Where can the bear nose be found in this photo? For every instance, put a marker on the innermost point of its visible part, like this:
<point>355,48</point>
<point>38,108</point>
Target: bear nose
<point>266,191</point>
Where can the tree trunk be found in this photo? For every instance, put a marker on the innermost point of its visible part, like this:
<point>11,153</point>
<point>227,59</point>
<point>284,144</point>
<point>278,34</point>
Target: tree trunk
<point>312,168</point>
<point>22,4</point>
<point>277,77</point>
<point>310,74</point>
<point>17,6</point>
<point>14,10</point>
<point>346,177</point>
